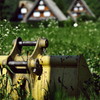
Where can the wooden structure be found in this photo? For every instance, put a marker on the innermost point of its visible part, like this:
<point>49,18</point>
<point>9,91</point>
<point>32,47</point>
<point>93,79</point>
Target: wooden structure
<point>23,8</point>
<point>44,9</point>
<point>79,7</point>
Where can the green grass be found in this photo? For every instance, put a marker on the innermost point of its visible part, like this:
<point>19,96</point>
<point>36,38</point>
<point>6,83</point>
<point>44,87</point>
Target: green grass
<point>67,40</point>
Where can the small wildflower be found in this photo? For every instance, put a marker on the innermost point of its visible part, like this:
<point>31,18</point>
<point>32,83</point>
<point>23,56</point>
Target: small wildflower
<point>16,27</point>
<point>75,25</point>
<point>7,29</point>
<point>5,20</point>
<point>6,35</point>
<point>24,29</point>
<point>1,25</point>
<point>8,32</point>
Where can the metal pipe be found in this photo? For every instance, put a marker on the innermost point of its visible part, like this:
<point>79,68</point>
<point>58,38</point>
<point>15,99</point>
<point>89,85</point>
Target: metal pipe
<point>17,63</point>
<point>27,43</point>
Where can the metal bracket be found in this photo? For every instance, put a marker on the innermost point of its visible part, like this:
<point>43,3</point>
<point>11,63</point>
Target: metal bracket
<point>17,63</point>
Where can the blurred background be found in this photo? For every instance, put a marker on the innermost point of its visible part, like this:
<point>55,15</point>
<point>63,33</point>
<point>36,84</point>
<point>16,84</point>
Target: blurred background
<point>8,7</point>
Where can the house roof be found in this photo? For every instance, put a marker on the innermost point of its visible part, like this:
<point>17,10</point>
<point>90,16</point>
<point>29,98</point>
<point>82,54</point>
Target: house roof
<point>27,3</point>
<point>87,9</point>
<point>84,3</point>
<point>52,6</point>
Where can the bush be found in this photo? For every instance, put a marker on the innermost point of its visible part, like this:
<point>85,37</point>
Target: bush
<point>86,18</point>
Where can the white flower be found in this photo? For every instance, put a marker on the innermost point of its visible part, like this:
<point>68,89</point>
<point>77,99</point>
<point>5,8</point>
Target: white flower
<point>5,20</point>
<point>8,32</point>
<point>16,27</point>
<point>1,25</point>
<point>7,29</point>
<point>75,25</point>
<point>24,29</point>
<point>6,35</point>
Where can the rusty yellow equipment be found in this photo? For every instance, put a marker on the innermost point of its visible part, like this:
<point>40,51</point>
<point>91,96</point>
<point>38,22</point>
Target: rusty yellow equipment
<point>38,70</point>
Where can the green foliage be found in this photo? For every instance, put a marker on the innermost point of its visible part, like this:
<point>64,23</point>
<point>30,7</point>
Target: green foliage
<point>56,93</point>
<point>83,18</point>
<point>7,8</point>
<point>22,92</point>
<point>4,94</point>
<point>62,5</point>
<point>90,91</point>
<point>1,8</point>
<point>7,89</point>
<point>94,6</point>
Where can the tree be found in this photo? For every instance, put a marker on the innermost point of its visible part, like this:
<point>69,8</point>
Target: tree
<point>7,8</point>
<point>95,6</point>
<point>1,8</point>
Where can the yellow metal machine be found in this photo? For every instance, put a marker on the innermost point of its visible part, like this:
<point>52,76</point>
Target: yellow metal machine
<point>40,72</point>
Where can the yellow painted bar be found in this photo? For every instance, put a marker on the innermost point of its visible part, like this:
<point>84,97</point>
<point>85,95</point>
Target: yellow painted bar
<point>2,58</point>
<point>53,60</point>
<point>48,60</point>
<point>58,60</point>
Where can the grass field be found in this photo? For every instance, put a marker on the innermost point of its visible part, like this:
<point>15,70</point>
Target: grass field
<point>68,40</point>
